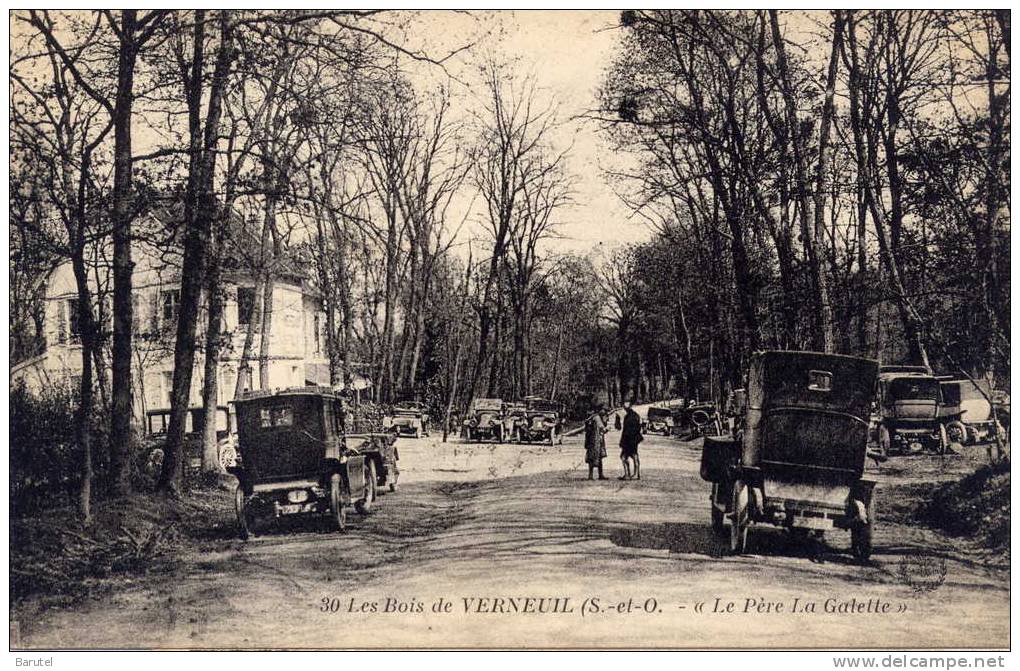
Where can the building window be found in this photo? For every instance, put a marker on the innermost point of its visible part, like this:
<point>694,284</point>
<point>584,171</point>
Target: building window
<point>168,386</point>
<point>73,323</point>
<point>245,305</point>
<point>170,301</point>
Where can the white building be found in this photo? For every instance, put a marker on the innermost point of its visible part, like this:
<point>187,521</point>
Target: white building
<point>297,351</point>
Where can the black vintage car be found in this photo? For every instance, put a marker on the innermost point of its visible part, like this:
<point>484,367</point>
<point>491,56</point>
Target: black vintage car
<point>541,421</point>
<point>800,461</point>
<point>659,420</point>
<point>486,420</point>
<point>695,420</point>
<point>407,418</point>
<point>297,458</point>
<point>910,401</point>
<point>157,421</point>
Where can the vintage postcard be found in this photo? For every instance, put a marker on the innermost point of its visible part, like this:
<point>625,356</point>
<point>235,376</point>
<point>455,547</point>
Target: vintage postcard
<point>532,330</point>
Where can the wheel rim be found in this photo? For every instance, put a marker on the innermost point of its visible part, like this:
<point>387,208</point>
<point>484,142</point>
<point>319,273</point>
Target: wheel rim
<point>738,529</point>
<point>155,464</point>
<point>228,457</point>
<point>339,512</point>
<point>242,513</point>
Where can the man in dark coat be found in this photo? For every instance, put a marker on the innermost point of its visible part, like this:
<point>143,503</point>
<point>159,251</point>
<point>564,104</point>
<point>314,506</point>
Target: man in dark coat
<point>595,442</point>
<point>630,438</point>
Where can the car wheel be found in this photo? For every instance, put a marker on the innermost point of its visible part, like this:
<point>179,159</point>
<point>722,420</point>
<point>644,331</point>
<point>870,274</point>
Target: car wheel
<point>861,534</point>
<point>740,521</point>
<point>337,509</point>
<point>241,508</point>
<point>718,516</point>
<point>364,505</point>
<point>957,433</point>
<point>228,456</point>
<point>154,463</point>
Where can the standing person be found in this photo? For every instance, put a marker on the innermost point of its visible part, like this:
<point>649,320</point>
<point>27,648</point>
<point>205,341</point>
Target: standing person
<point>630,438</point>
<point>595,442</point>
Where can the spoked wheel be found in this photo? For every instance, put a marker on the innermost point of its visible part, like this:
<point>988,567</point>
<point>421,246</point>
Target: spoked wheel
<point>364,505</point>
<point>154,464</point>
<point>741,521</point>
<point>337,510</point>
<point>861,534</point>
<point>957,433</point>
<point>244,526</point>
<point>228,456</point>
<point>717,515</point>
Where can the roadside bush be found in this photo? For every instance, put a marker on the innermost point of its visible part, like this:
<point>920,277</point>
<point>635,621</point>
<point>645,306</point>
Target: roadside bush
<point>45,457</point>
<point>976,506</point>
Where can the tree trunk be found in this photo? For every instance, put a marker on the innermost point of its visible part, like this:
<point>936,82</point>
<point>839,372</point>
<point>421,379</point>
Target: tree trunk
<point>199,216</point>
<point>821,337</point>
<point>83,416</point>
<point>121,439</point>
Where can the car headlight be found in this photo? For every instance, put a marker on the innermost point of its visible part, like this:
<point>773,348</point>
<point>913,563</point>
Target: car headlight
<point>297,495</point>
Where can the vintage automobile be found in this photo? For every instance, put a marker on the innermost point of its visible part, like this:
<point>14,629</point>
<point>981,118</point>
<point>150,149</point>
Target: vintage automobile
<point>407,419</point>
<point>296,458</point>
<point>542,421</point>
<point>909,401</point>
<point>157,422</point>
<point>485,421</point>
<point>800,461</point>
<point>659,420</point>
<point>695,420</point>
<point>966,411</point>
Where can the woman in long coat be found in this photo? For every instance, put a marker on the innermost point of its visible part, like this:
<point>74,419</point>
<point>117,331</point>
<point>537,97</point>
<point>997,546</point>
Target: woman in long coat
<point>595,443</point>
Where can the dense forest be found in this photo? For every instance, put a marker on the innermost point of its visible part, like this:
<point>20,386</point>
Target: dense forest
<point>834,181</point>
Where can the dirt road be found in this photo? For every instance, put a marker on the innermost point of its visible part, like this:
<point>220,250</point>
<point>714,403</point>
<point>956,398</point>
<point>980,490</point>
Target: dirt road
<point>484,527</point>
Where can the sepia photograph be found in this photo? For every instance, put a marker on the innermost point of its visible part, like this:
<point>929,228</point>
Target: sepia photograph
<point>498,330</point>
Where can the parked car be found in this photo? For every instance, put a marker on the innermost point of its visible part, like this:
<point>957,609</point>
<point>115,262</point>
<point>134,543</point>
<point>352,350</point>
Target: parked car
<point>659,420</point>
<point>696,420</point>
<point>909,402</point>
<point>800,462</point>
<point>407,418</point>
<point>542,421</point>
<point>967,411</point>
<point>297,460</point>
<point>485,421</point>
<point>157,422</point>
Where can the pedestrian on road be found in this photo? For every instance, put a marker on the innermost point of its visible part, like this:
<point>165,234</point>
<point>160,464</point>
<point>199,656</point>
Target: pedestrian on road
<point>630,438</point>
<point>595,442</point>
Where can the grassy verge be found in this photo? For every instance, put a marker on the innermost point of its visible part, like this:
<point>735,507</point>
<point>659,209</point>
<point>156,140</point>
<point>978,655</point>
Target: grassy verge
<point>54,557</point>
<point>976,507</point>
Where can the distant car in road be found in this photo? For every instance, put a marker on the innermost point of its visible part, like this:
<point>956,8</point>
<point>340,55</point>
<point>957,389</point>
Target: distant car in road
<point>407,418</point>
<point>542,421</point>
<point>909,402</point>
<point>659,420</point>
<point>485,421</point>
